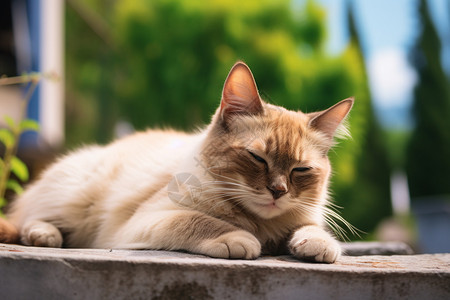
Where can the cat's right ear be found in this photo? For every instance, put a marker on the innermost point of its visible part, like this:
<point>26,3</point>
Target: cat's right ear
<point>240,94</point>
<point>330,121</point>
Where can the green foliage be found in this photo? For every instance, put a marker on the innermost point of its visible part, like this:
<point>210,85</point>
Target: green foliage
<point>396,141</point>
<point>428,160</point>
<point>10,164</point>
<point>6,137</point>
<point>166,60</point>
<point>19,168</point>
<point>366,197</point>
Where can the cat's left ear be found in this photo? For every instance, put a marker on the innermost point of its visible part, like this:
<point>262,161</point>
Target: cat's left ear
<point>328,121</point>
<point>240,94</point>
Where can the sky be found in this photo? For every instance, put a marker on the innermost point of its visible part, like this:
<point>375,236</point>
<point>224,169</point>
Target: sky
<point>388,29</point>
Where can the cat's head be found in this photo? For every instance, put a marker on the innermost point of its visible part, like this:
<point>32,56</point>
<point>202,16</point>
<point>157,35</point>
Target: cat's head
<point>266,159</point>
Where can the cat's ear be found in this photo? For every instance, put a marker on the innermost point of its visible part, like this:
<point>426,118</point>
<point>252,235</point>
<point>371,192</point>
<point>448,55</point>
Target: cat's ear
<point>240,94</point>
<point>329,121</point>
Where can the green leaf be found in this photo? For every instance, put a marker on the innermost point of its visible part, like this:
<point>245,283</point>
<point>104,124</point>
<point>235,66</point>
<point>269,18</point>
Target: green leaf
<point>19,169</point>
<point>29,124</point>
<point>2,202</point>
<point>10,121</point>
<point>14,186</point>
<point>6,137</point>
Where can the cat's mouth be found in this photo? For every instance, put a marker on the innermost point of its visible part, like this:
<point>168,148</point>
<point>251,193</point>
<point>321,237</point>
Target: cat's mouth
<point>268,209</point>
<point>269,205</point>
<point>272,205</point>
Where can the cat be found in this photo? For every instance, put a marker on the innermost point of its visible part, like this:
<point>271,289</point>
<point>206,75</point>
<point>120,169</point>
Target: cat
<point>254,181</point>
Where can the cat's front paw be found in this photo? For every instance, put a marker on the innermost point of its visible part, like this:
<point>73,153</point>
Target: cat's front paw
<point>311,243</point>
<point>235,244</point>
<point>41,234</point>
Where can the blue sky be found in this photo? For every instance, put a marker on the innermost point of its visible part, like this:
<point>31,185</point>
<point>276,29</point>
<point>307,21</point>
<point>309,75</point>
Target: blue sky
<point>388,29</point>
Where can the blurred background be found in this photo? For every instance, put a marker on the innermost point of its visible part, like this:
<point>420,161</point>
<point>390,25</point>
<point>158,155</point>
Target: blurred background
<point>129,65</point>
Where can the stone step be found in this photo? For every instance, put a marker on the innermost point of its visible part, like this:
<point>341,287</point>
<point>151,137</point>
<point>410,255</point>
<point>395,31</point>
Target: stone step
<point>45,273</point>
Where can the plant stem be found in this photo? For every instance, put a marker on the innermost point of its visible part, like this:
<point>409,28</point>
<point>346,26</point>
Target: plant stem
<point>9,152</point>
<point>20,79</point>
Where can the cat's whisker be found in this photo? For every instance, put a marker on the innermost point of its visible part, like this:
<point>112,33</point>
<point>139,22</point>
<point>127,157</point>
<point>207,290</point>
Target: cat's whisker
<point>227,200</point>
<point>225,183</point>
<point>229,185</point>
<point>223,198</point>
<point>229,180</point>
<point>225,190</point>
<point>230,189</point>
<point>331,216</point>
<point>223,194</point>
<point>330,221</point>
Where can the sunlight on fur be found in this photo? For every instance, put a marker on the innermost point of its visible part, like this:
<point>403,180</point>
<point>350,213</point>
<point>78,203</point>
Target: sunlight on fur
<point>254,181</point>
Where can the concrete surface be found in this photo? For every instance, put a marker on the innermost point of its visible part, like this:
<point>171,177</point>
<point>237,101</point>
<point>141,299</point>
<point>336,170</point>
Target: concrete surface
<point>376,248</point>
<point>43,273</point>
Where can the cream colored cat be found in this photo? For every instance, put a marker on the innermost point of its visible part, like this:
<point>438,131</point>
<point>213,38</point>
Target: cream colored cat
<point>254,181</point>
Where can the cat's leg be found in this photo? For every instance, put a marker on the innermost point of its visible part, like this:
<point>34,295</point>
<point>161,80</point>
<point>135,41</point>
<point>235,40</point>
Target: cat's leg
<point>191,231</point>
<point>41,234</point>
<point>235,244</point>
<point>312,243</point>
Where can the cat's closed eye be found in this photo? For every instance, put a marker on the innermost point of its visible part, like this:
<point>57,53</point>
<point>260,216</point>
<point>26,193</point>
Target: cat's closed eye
<point>257,158</point>
<point>301,169</point>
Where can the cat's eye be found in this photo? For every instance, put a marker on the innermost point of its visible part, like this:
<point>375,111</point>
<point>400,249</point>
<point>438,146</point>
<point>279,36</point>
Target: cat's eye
<point>258,158</point>
<point>301,169</point>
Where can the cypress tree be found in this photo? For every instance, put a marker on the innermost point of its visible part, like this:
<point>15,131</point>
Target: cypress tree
<point>428,157</point>
<point>367,200</point>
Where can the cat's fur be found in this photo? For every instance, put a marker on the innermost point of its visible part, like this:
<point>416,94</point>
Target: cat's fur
<point>254,181</point>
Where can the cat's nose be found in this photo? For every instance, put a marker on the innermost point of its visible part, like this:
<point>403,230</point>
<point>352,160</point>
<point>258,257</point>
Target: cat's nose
<point>278,189</point>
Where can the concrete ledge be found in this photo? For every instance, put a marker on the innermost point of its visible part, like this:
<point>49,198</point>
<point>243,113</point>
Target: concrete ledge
<point>43,273</point>
<point>376,248</point>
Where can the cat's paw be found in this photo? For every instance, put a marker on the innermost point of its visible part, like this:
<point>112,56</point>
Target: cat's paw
<point>235,244</point>
<point>314,244</point>
<point>41,234</point>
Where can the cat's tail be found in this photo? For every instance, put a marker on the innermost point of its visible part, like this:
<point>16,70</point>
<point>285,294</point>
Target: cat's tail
<point>8,233</point>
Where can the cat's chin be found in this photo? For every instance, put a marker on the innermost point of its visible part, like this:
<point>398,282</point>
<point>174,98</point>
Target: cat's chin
<point>267,210</point>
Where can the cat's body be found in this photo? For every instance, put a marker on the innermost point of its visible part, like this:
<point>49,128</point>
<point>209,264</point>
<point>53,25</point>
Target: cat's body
<point>254,180</point>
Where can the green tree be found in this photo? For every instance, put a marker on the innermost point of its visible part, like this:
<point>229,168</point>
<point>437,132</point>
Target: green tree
<point>91,103</point>
<point>428,160</point>
<point>366,198</point>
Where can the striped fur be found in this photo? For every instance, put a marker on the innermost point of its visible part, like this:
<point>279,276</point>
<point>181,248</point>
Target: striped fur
<point>254,181</point>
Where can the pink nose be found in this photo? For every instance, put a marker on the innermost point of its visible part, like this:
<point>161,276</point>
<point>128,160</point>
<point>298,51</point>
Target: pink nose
<point>278,189</point>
